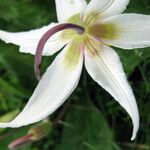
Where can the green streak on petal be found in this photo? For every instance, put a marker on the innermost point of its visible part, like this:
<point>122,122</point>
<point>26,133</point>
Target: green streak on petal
<point>91,18</point>
<point>92,46</point>
<point>105,31</point>
<point>73,53</point>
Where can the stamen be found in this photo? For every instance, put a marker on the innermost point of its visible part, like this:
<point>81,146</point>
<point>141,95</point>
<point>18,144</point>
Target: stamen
<point>44,39</point>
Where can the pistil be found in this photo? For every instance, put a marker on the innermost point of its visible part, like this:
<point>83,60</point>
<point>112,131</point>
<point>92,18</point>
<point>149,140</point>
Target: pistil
<point>38,55</point>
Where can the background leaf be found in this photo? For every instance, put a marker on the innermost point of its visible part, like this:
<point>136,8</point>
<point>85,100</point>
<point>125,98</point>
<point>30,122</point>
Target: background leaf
<point>86,129</point>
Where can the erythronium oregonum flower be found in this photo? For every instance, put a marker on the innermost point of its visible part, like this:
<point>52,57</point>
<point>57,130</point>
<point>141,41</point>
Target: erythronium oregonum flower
<point>90,30</point>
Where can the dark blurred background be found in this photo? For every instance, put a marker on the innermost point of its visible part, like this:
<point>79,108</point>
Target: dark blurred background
<point>90,119</point>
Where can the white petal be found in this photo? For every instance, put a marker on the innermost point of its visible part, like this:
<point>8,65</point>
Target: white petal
<point>106,69</point>
<point>107,8</point>
<point>133,31</point>
<point>28,40</point>
<point>66,9</point>
<point>59,81</point>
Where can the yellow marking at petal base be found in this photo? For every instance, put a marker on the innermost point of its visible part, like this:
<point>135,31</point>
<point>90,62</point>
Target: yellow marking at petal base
<point>76,19</point>
<point>68,34</point>
<point>106,31</point>
<point>73,53</point>
<point>85,21</point>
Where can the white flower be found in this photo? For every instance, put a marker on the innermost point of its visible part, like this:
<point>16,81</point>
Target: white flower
<point>104,25</point>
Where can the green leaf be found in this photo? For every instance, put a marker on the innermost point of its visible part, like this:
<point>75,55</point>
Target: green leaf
<point>86,129</point>
<point>8,117</point>
<point>131,58</point>
<point>24,15</point>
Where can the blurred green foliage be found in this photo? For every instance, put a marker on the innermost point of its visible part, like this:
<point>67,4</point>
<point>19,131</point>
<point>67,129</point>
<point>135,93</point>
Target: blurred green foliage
<point>93,120</point>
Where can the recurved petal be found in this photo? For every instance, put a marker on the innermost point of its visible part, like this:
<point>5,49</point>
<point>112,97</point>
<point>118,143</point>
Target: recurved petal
<point>107,8</point>
<point>69,8</point>
<point>130,31</point>
<point>106,69</point>
<point>28,41</point>
<point>59,81</point>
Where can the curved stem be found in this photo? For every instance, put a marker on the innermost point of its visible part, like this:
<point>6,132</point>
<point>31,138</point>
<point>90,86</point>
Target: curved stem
<point>44,39</point>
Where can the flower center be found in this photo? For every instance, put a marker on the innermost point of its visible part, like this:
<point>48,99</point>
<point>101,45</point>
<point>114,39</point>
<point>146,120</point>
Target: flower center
<point>78,27</point>
<point>83,21</point>
<point>93,27</point>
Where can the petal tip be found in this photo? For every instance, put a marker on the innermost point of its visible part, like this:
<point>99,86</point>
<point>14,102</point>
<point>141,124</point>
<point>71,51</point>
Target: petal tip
<point>3,125</point>
<point>133,137</point>
<point>135,130</point>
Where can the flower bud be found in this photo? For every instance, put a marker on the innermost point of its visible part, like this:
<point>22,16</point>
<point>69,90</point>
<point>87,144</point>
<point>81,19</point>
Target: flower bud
<point>41,130</point>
